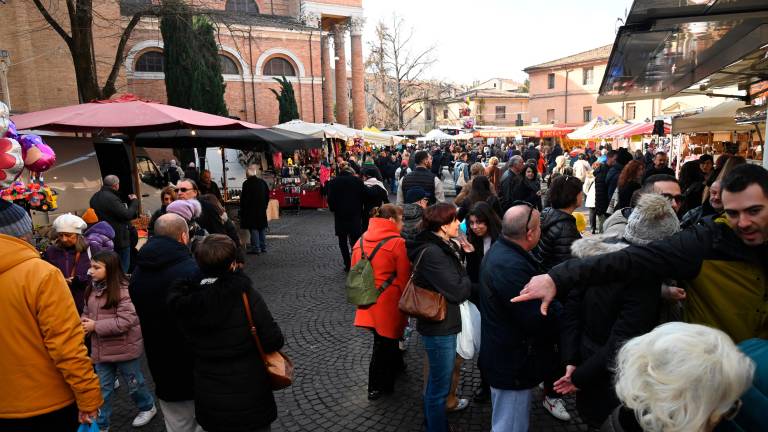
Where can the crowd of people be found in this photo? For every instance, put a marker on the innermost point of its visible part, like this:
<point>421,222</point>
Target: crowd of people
<point>654,316</point>
<point>79,318</point>
<point>638,314</point>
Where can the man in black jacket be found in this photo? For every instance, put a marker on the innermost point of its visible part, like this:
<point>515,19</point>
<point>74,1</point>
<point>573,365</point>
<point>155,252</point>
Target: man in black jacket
<point>511,336</point>
<point>722,260</point>
<point>510,180</point>
<point>346,199</point>
<point>614,171</point>
<point>164,260</point>
<point>660,162</point>
<point>422,177</point>
<point>108,207</point>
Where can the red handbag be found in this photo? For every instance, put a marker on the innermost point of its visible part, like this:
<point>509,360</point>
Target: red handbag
<point>279,366</point>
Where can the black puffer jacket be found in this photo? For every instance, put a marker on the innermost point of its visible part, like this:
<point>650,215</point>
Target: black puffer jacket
<point>232,389</point>
<point>558,232</point>
<point>412,214</point>
<point>601,190</point>
<point>440,270</point>
<point>596,321</point>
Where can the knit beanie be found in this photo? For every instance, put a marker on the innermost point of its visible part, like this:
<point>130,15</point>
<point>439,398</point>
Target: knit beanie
<point>187,209</point>
<point>652,219</point>
<point>90,216</point>
<point>14,220</point>
<point>69,223</point>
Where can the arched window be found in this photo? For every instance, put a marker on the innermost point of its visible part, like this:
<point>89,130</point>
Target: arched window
<point>242,6</point>
<point>279,66</point>
<point>228,66</point>
<point>150,61</point>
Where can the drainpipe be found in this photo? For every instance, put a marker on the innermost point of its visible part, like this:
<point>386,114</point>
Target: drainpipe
<point>253,73</point>
<point>567,72</point>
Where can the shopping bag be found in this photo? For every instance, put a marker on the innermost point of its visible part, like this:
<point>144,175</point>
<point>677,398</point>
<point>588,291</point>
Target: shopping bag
<point>85,427</point>
<point>468,339</point>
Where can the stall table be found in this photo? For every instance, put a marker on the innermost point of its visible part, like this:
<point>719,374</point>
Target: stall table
<point>303,199</point>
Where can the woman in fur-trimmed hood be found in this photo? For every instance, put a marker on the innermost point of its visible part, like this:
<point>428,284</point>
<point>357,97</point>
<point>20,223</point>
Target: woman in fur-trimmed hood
<point>598,319</point>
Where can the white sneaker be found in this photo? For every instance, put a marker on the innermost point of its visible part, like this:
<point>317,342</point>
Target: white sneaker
<point>144,417</point>
<point>556,407</point>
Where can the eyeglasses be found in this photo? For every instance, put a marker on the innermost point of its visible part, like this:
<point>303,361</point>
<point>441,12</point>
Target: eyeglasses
<point>676,198</point>
<point>530,213</point>
<point>733,411</point>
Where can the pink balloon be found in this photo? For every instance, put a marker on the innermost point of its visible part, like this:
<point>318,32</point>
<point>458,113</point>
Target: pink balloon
<point>38,156</point>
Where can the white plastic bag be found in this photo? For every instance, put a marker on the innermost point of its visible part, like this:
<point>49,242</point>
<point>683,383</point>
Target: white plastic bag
<point>468,339</point>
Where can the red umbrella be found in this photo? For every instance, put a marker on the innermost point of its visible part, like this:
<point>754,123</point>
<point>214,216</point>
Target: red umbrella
<point>126,114</point>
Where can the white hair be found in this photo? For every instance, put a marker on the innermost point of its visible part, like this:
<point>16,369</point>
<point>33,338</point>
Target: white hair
<point>678,376</point>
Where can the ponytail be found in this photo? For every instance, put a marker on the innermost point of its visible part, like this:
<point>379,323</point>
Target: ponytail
<point>387,211</point>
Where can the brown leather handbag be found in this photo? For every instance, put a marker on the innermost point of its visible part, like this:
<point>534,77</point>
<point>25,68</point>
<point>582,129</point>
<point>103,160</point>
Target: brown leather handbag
<point>421,302</point>
<point>279,366</point>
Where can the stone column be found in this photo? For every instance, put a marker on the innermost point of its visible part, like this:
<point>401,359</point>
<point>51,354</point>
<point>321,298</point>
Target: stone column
<point>325,63</point>
<point>342,103</point>
<point>358,74</point>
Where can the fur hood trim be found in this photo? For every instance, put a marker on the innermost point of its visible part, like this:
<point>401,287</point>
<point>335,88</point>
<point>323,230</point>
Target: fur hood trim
<point>597,245</point>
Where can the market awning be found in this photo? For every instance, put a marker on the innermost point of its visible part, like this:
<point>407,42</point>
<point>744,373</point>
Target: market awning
<point>317,130</point>
<point>668,46</point>
<point>267,139</point>
<point>545,131</point>
<point>595,125</point>
<point>497,133</point>
<point>720,118</point>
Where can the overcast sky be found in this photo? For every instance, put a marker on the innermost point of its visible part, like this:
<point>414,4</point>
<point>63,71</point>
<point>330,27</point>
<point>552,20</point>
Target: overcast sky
<point>482,39</point>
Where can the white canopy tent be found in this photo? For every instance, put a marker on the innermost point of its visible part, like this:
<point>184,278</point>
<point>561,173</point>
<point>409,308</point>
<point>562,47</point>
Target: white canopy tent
<point>720,118</point>
<point>435,135</point>
<point>319,130</point>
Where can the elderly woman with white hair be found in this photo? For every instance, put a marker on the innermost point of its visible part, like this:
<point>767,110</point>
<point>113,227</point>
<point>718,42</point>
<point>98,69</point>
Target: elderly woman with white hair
<point>679,378</point>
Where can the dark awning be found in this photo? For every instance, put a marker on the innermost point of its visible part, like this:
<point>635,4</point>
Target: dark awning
<point>668,46</point>
<point>268,139</point>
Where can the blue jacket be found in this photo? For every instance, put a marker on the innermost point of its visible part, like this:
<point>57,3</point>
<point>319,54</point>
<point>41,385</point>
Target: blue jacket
<point>752,414</point>
<point>511,333</point>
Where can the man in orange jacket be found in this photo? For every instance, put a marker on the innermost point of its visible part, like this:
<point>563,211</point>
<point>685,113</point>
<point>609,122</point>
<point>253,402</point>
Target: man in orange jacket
<point>47,381</point>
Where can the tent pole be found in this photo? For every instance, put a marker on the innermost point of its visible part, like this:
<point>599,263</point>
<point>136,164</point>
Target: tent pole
<point>224,171</point>
<point>135,171</point>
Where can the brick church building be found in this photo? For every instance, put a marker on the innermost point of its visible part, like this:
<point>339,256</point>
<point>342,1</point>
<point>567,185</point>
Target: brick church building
<point>258,40</point>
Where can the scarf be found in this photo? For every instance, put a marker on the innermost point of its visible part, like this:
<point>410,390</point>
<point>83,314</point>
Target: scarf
<point>373,181</point>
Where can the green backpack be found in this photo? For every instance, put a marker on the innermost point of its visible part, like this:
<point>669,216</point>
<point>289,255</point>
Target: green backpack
<point>361,285</point>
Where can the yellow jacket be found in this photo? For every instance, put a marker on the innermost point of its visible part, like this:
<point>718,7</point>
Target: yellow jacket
<point>44,365</point>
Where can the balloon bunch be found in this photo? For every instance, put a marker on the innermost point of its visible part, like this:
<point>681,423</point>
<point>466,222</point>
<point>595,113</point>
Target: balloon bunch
<point>24,151</point>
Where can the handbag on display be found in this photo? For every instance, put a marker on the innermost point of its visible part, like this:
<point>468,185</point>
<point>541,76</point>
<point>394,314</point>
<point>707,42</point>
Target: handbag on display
<point>279,366</point>
<point>421,302</point>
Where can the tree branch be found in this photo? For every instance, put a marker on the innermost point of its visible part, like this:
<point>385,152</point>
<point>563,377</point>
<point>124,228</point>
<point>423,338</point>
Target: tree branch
<point>53,23</point>
<point>109,85</point>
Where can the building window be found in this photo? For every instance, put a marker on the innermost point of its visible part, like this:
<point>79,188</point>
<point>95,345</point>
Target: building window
<point>551,81</point>
<point>587,114</point>
<point>228,66</point>
<point>630,112</point>
<point>279,66</point>
<point>589,76</point>
<point>501,112</point>
<point>150,61</point>
<point>550,116</point>
<point>428,113</point>
<point>519,120</point>
<point>445,114</point>
<point>241,6</point>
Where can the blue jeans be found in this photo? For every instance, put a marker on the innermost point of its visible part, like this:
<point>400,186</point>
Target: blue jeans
<point>258,240</point>
<point>441,352</point>
<point>510,410</point>
<point>125,258</point>
<point>130,374</point>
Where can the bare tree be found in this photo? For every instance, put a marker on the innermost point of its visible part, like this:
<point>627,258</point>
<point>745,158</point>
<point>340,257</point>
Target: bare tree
<point>398,72</point>
<point>79,40</point>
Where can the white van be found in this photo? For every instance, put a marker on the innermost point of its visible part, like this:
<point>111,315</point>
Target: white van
<point>81,163</point>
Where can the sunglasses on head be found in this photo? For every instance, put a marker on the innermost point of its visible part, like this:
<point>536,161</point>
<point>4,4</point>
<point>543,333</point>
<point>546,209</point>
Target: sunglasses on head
<point>676,198</point>
<point>530,212</point>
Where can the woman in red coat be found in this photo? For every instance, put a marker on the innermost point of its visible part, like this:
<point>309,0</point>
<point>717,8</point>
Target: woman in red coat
<point>384,318</point>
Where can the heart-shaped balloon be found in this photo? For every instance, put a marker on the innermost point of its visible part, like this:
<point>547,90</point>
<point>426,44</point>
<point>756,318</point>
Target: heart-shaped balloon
<point>11,162</point>
<point>38,156</point>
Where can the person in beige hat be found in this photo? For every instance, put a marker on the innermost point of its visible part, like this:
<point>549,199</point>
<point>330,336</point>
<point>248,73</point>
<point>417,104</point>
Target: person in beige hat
<point>69,253</point>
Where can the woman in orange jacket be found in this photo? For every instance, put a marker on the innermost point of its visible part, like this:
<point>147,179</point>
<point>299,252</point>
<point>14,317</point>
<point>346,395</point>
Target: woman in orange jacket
<point>384,318</point>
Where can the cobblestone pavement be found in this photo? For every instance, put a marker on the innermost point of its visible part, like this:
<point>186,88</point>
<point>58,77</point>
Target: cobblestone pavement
<point>302,281</point>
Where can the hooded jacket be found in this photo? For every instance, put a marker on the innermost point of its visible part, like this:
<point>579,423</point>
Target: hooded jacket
<point>412,214</point>
<point>160,263</point>
<point>100,237</point>
<point>597,319</point>
<point>439,270</point>
<point>67,260</point>
<point>558,232</point>
<point>44,365</point>
<point>117,333</point>
<point>725,279</point>
<point>232,389</point>
<point>391,259</point>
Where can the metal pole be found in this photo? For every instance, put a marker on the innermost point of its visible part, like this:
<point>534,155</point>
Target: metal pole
<point>224,172</point>
<point>765,143</point>
<point>135,170</point>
